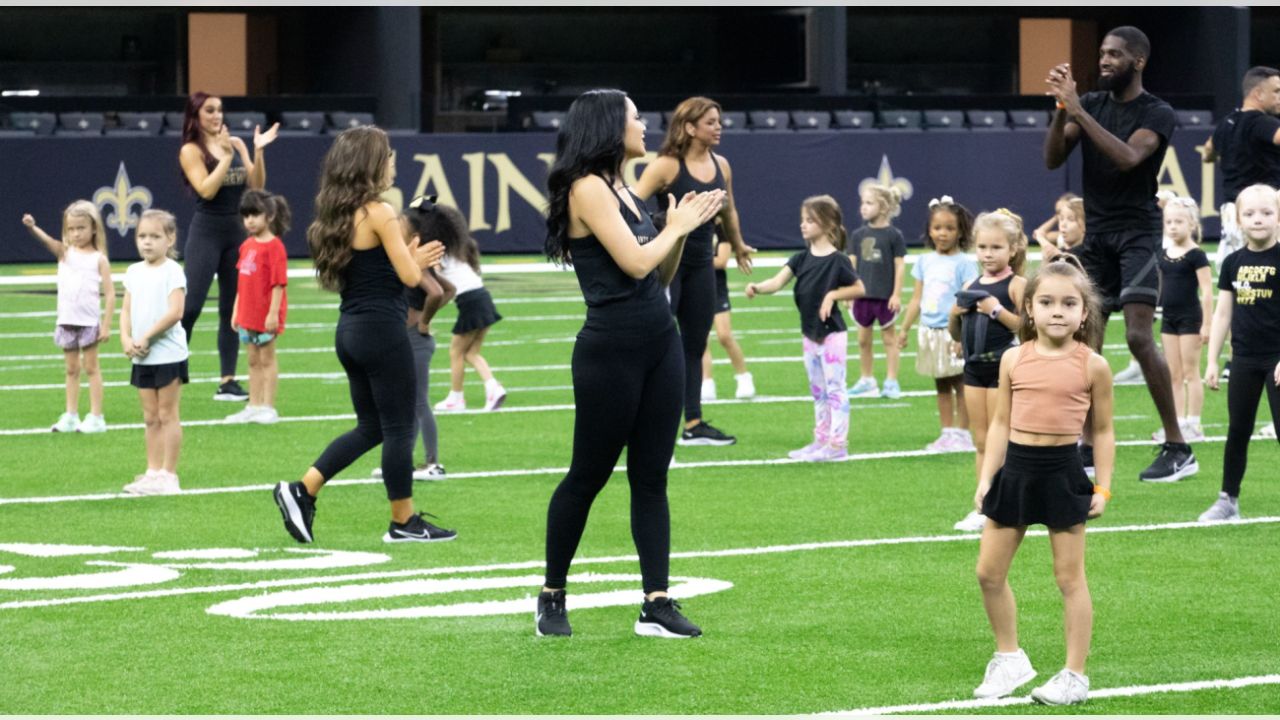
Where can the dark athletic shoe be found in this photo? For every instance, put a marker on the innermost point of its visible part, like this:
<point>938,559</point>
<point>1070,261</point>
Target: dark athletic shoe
<point>231,391</point>
<point>417,530</point>
<point>298,508</point>
<point>661,617</point>
<point>1175,461</point>
<point>1086,459</point>
<point>551,618</point>
<point>704,434</point>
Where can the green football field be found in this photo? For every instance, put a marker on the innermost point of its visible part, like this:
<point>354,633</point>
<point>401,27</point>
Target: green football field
<point>820,588</point>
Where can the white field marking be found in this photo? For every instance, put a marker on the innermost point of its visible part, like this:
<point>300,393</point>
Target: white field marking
<point>1127,691</point>
<point>128,575</point>
<point>206,554</point>
<point>6,569</point>
<point>260,606</point>
<point>310,560</point>
<point>43,550</point>
<point>540,563</point>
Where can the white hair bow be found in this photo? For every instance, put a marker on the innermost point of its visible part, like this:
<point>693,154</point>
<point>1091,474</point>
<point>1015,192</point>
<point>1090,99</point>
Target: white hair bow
<point>944,200</point>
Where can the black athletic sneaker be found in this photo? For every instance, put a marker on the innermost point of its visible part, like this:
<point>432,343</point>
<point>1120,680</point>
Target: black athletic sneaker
<point>417,530</point>
<point>704,434</point>
<point>1086,459</point>
<point>298,508</point>
<point>1174,462</point>
<point>551,618</point>
<point>231,391</point>
<point>661,617</point>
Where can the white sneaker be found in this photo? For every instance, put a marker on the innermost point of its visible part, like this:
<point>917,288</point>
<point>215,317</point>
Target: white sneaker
<point>67,423</point>
<point>961,440</point>
<point>1223,510</point>
<point>1066,688</point>
<point>1266,432</point>
<point>973,522</point>
<point>1192,432</point>
<point>865,388</point>
<point>941,445</point>
<point>1131,375</point>
<point>746,386</point>
<point>429,471</point>
<point>708,389</point>
<point>376,473</point>
<point>93,424</point>
<point>265,416</point>
<point>451,403</point>
<point>244,416</point>
<point>160,483</point>
<point>139,481</point>
<point>1005,673</point>
<point>494,397</point>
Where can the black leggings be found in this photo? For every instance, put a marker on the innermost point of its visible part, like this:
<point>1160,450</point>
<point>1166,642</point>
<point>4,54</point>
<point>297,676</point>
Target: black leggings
<point>1249,377</point>
<point>627,395</point>
<point>379,365</point>
<point>213,246</point>
<point>693,301</point>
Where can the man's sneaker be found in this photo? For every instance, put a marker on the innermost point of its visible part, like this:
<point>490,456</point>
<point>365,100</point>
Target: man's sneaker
<point>1224,510</point>
<point>230,391</point>
<point>1172,464</point>
<point>93,424</point>
<point>67,423</point>
<point>451,403</point>
<point>891,390</point>
<point>551,617</point>
<point>243,416</point>
<point>1131,375</point>
<point>661,617</point>
<point>426,471</point>
<point>746,386</point>
<point>1005,673</point>
<point>417,530</point>
<point>973,522</point>
<point>1066,688</point>
<point>493,398</point>
<point>865,388</point>
<point>708,392</point>
<point>265,416</point>
<point>157,483</point>
<point>1086,459</point>
<point>298,509</point>
<point>705,434</point>
<point>828,454</point>
<point>804,452</point>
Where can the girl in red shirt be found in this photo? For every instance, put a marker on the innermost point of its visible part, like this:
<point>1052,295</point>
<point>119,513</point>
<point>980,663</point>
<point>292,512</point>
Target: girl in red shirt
<point>261,303</point>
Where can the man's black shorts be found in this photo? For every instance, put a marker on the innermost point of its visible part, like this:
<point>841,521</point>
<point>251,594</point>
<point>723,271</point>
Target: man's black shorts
<point>1123,267</point>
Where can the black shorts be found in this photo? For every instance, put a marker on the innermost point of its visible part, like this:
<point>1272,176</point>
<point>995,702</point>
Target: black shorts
<point>476,311</point>
<point>1182,321</point>
<point>722,292</point>
<point>1123,267</point>
<point>982,374</point>
<point>154,377</point>
<point>1039,486</point>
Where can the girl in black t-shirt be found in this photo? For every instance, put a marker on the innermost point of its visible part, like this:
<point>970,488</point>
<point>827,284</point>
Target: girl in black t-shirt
<point>824,274</point>
<point>1184,328</point>
<point>1248,304</point>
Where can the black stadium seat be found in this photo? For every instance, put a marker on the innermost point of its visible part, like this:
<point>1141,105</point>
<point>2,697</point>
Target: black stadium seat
<point>652,121</point>
<point>38,123</point>
<point>854,120</point>
<point>733,121</point>
<point>1028,119</point>
<point>900,119</point>
<point>943,120</point>
<point>768,120</point>
<point>80,124</point>
<point>173,123</point>
<point>243,123</point>
<point>138,124</point>
<point>1195,118</point>
<point>342,120</point>
<point>988,120</point>
<point>545,120</point>
<point>810,119</point>
<point>301,123</point>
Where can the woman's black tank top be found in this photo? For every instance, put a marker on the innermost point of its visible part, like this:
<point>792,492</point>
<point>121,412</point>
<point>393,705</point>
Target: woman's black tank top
<point>699,246</point>
<point>371,289</point>
<point>227,201</point>
<point>617,302</point>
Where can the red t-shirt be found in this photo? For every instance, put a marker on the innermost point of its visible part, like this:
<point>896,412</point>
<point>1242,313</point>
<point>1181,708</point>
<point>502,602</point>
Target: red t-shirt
<point>262,266</point>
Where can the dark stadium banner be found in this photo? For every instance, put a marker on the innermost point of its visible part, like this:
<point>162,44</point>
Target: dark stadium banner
<point>498,180</point>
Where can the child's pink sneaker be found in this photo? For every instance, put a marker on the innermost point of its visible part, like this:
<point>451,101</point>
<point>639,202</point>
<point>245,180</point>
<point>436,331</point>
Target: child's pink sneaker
<point>804,452</point>
<point>828,454</point>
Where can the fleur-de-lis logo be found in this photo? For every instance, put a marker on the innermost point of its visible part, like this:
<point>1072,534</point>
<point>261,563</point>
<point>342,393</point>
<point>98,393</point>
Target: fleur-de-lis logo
<point>122,197</point>
<point>885,177</point>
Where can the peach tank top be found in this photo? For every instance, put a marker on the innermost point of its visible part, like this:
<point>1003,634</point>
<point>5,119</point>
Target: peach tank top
<point>1051,395</point>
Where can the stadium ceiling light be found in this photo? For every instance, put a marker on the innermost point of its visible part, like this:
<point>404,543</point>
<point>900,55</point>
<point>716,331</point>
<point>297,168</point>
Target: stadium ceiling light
<point>19,93</point>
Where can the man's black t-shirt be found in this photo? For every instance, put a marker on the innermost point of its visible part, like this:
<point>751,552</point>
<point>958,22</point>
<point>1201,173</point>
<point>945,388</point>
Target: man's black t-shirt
<point>815,277</point>
<point>1248,154</point>
<point>1115,201</point>
<point>1254,278</point>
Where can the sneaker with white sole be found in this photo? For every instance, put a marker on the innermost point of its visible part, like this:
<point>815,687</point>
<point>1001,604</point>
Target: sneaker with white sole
<point>1225,509</point>
<point>1174,462</point>
<point>708,392</point>
<point>962,441</point>
<point>1192,432</point>
<point>865,388</point>
<point>245,415</point>
<point>941,445</point>
<point>93,424</point>
<point>1131,375</point>
<point>1266,432</point>
<point>705,434</point>
<point>230,391</point>
<point>160,483</point>
<point>746,386</point>
<point>265,416</point>
<point>297,507</point>
<point>1005,673</point>
<point>973,522</point>
<point>804,452</point>
<point>828,454</point>
<point>891,390</point>
<point>1066,688</point>
<point>551,618</point>
<point>139,481</point>
<point>426,471</point>
<point>661,618</point>
<point>494,397</point>
<point>417,529</point>
<point>452,402</point>
<point>67,423</point>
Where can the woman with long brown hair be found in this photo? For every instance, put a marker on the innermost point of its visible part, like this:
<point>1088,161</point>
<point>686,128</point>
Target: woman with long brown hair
<point>218,167</point>
<point>687,164</point>
<point>359,251</point>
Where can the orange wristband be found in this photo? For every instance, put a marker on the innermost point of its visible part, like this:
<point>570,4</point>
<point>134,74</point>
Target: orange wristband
<point>1105,493</point>
<point>1058,104</point>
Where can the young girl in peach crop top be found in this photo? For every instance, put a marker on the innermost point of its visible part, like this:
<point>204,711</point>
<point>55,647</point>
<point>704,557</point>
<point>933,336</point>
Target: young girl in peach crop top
<point>1032,472</point>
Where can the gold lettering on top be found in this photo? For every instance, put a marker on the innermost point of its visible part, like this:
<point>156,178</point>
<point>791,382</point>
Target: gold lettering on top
<point>510,178</point>
<point>1177,182</point>
<point>433,176</point>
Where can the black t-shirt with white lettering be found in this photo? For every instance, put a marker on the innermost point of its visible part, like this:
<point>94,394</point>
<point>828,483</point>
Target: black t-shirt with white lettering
<point>1115,201</point>
<point>815,277</point>
<point>1254,278</point>
<point>1248,154</point>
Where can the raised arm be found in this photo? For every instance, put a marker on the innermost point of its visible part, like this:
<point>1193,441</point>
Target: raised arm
<point>256,167</point>
<point>50,243</point>
<point>657,175</point>
<point>409,261</point>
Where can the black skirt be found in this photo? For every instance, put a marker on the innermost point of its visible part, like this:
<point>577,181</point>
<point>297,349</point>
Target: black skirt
<point>154,377</point>
<point>1039,486</point>
<point>475,311</point>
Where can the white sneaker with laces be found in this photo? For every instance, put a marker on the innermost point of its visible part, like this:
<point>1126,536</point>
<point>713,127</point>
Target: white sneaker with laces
<point>708,390</point>
<point>1066,688</point>
<point>865,388</point>
<point>1131,375</point>
<point>961,440</point>
<point>1005,673</point>
<point>67,423</point>
<point>941,445</point>
<point>429,471</point>
<point>1266,432</point>
<point>973,522</point>
<point>139,481</point>
<point>452,402</point>
<point>245,415</point>
<point>1223,510</point>
<point>265,416</point>
<point>160,483</point>
<point>494,397</point>
<point>93,424</point>
<point>746,386</point>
